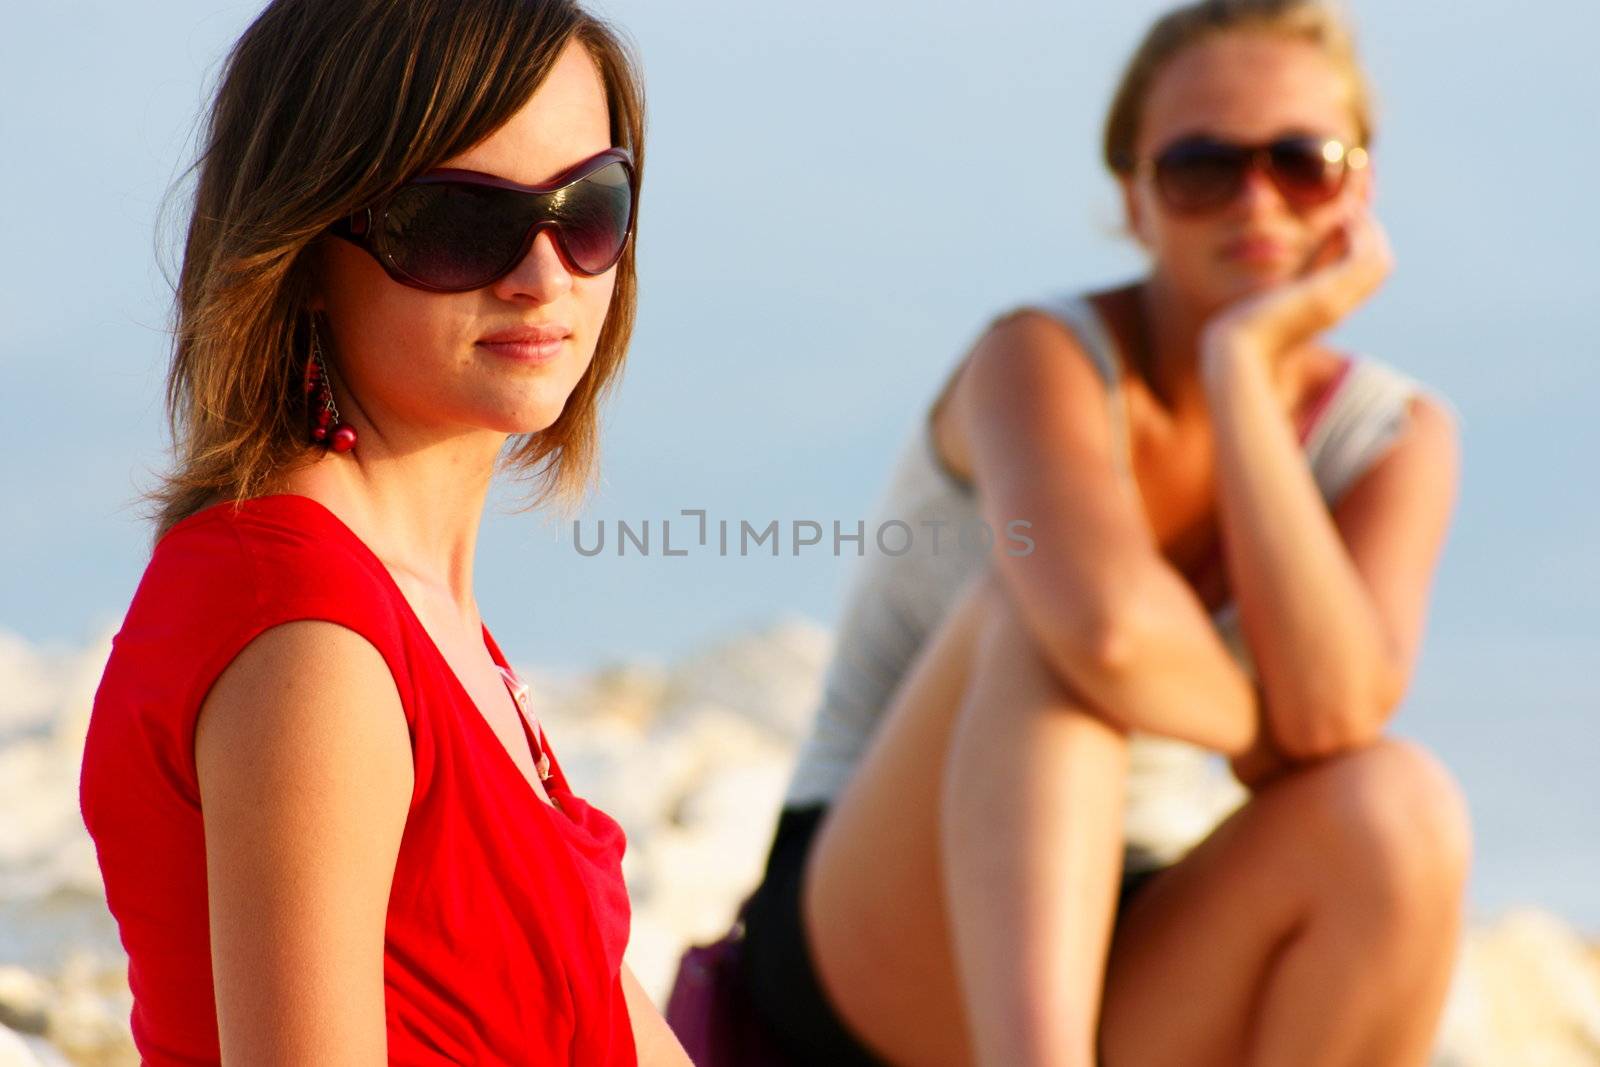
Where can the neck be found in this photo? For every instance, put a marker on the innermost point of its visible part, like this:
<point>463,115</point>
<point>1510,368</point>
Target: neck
<point>1167,344</point>
<point>418,508</point>
<point>1167,349</point>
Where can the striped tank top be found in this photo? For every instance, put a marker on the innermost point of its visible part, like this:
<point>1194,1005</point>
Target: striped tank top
<point>1176,792</point>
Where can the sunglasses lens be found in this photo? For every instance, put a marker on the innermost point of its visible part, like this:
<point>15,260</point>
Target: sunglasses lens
<point>592,217</point>
<point>1304,171</point>
<point>452,235</point>
<point>1198,173</point>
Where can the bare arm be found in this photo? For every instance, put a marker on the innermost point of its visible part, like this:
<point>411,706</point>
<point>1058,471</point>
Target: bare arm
<point>1109,612</point>
<point>304,763</point>
<point>653,1039</point>
<point>1331,604</point>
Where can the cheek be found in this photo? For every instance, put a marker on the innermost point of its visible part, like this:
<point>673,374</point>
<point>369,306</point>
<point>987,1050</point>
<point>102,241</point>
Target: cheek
<point>1179,242</point>
<point>1167,237</point>
<point>385,331</point>
<point>402,330</point>
<point>369,308</point>
<point>594,300</point>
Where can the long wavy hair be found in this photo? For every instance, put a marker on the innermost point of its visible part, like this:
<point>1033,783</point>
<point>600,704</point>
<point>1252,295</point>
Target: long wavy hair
<point>322,107</point>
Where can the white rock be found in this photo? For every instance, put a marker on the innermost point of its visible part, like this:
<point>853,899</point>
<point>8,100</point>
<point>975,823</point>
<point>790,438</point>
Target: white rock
<point>1526,992</point>
<point>25,999</point>
<point>25,1050</point>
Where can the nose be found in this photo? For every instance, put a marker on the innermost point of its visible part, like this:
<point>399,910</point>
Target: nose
<point>541,277</point>
<point>1258,193</point>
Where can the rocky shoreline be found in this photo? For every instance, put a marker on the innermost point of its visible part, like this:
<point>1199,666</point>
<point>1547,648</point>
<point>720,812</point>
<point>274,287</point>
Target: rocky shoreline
<point>691,758</point>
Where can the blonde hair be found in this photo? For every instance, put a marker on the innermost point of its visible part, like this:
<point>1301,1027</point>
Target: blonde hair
<point>323,106</point>
<point>1317,22</point>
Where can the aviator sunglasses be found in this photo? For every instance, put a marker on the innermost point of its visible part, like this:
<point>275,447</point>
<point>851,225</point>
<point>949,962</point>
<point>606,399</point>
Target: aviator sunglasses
<point>449,231</point>
<point>1198,174</point>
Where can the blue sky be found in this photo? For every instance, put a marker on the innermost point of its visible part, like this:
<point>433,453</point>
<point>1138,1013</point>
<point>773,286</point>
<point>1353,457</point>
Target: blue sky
<point>788,336</point>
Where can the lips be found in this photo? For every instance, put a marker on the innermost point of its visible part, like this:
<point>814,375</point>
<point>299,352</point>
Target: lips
<point>529,343</point>
<point>540,333</point>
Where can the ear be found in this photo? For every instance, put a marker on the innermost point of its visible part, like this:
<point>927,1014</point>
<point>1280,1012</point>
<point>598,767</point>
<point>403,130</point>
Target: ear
<point>312,264</point>
<point>1132,210</point>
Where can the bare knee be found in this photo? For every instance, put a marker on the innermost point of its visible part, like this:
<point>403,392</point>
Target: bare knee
<point>1008,646</point>
<point>1395,826</point>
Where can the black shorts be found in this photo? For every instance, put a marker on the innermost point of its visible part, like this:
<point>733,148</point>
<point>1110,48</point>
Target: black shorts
<point>782,983</point>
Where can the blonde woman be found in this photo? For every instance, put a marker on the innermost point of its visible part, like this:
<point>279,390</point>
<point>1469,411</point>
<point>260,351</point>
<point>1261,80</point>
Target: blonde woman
<point>1232,529</point>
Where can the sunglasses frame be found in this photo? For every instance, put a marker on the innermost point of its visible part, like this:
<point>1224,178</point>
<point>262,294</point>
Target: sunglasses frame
<point>1258,157</point>
<point>366,230</point>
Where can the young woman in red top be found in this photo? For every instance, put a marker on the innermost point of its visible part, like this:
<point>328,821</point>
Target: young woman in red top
<point>329,827</point>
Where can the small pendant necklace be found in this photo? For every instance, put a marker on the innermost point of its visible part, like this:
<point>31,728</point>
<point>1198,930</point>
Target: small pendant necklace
<point>519,693</point>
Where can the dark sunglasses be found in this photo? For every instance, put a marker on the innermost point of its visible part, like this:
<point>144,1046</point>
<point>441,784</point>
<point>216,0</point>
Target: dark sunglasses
<point>448,231</point>
<point>1199,174</point>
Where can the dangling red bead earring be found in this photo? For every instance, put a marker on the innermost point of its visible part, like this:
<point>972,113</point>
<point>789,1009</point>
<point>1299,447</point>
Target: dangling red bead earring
<point>342,438</point>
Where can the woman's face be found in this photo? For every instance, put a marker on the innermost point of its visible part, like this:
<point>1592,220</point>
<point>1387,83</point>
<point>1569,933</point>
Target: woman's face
<point>1250,88</point>
<point>416,364</point>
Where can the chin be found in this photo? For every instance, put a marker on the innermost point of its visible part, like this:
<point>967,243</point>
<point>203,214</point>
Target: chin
<point>1236,283</point>
<point>536,417</point>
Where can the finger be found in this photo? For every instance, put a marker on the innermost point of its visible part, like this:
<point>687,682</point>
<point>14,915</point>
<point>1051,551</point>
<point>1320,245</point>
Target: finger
<point>1363,241</point>
<point>1337,289</point>
<point>1353,227</point>
<point>1371,247</point>
<point>1383,249</point>
<point>1333,247</point>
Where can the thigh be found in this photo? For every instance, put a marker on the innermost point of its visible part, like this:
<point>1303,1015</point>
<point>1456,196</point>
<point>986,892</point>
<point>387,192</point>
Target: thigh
<point>872,902</point>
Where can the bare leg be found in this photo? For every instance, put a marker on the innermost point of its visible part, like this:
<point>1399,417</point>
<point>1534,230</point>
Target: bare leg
<point>1318,925</point>
<point>1031,786</point>
<point>871,896</point>
<point>1032,849</point>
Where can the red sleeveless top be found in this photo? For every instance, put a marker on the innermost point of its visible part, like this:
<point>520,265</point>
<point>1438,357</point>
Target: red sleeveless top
<point>507,917</point>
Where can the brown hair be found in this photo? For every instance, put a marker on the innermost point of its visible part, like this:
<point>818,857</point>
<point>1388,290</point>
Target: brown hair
<point>1315,21</point>
<point>322,106</point>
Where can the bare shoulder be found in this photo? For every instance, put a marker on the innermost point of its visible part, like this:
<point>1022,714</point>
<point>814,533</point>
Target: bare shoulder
<point>1026,343</point>
<point>1423,460</point>
<point>1401,504</point>
<point>1433,423</point>
<point>304,762</point>
<point>1431,439</point>
<point>295,693</point>
<point>1029,372</point>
